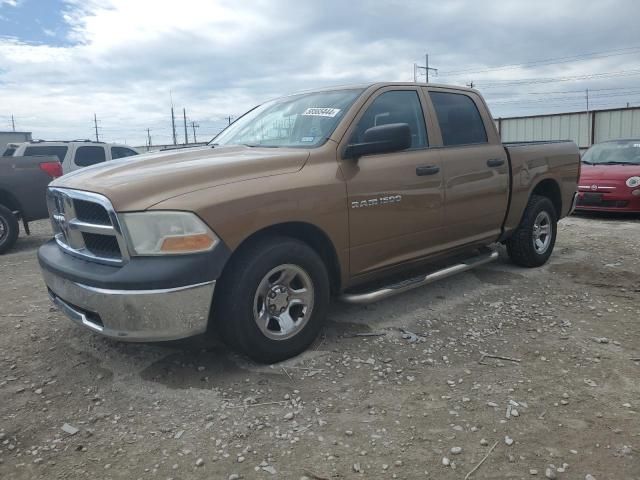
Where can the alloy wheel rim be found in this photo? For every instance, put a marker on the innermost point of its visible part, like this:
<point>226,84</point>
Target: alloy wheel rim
<point>542,232</point>
<point>3,229</point>
<point>283,302</point>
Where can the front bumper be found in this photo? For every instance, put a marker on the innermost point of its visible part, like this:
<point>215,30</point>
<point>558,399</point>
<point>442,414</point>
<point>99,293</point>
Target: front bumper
<point>134,315</point>
<point>608,202</point>
<point>147,299</point>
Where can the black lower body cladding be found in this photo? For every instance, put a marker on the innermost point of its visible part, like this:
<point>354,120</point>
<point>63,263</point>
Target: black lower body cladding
<point>140,273</point>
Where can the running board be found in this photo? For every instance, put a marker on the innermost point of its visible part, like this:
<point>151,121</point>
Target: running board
<point>410,284</point>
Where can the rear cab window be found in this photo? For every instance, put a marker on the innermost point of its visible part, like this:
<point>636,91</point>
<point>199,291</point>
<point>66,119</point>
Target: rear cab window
<point>459,119</point>
<point>89,155</point>
<point>59,151</point>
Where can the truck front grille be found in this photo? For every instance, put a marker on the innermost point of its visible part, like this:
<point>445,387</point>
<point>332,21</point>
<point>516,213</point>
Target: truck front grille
<point>91,212</point>
<point>85,225</point>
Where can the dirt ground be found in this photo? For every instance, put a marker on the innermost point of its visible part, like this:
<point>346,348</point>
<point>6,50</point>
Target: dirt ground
<point>398,405</point>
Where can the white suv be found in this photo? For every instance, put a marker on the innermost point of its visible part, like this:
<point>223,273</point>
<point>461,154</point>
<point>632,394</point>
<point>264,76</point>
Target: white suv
<point>75,154</point>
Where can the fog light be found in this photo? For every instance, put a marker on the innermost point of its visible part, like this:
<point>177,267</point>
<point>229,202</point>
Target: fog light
<point>636,193</point>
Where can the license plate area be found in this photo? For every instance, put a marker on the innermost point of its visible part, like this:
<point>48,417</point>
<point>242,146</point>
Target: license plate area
<point>591,199</point>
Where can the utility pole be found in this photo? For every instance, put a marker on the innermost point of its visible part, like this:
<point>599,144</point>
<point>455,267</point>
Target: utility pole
<point>13,123</point>
<point>589,118</point>
<point>173,120</point>
<point>470,84</point>
<point>229,118</point>
<point>148,139</point>
<point>184,117</point>
<point>587,97</point>
<point>194,125</point>
<point>95,124</point>
<point>426,69</point>
<point>173,126</point>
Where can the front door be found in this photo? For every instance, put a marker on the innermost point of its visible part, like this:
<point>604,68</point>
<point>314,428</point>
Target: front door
<point>395,199</point>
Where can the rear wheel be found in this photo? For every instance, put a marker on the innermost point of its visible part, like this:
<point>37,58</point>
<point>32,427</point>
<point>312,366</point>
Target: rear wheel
<point>9,229</point>
<point>272,300</point>
<point>532,243</point>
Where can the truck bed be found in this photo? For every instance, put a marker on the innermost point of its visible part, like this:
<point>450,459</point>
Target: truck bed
<point>23,186</point>
<point>534,162</point>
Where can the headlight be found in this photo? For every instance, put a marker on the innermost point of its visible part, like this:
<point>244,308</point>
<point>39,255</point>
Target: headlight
<point>167,233</point>
<point>633,182</point>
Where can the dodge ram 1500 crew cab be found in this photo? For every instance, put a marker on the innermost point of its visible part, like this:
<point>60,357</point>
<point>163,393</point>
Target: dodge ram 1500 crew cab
<point>358,192</point>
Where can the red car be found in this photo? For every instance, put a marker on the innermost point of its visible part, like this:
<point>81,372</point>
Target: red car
<point>610,177</point>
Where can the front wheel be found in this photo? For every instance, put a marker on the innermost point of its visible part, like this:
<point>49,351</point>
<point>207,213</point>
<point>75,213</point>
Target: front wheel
<point>9,229</point>
<point>532,242</point>
<point>272,300</point>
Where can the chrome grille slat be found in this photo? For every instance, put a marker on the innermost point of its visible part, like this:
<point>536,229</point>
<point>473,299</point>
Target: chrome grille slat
<point>89,235</point>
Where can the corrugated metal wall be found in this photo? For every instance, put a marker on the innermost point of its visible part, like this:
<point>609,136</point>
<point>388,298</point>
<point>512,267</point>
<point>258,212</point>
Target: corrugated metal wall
<point>617,124</point>
<point>606,125</point>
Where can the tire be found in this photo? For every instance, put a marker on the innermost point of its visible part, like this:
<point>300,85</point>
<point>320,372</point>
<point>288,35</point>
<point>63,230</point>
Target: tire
<point>9,229</point>
<point>529,246</point>
<point>262,306</point>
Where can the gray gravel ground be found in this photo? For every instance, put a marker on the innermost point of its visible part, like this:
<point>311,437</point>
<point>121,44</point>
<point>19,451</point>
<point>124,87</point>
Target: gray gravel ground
<point>564,401</point>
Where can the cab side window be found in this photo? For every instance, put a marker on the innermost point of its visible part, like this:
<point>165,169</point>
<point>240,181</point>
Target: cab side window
<point>121,152</point>
<point>89,155</point>
<point>398,106</point>
<point>459,119</point>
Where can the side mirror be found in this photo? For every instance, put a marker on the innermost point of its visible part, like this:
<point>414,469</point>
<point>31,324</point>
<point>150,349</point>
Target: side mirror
<point>392,137</point>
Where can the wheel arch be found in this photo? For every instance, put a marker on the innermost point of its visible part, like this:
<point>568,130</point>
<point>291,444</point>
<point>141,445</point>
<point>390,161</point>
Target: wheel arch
<point>307,233</point>
<point>549,188</point>
<point>10,201</point>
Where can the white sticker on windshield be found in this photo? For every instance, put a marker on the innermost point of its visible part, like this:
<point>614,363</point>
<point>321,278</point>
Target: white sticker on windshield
<point>321,112</point>
<point>307,139</point>
<point>636,145</point>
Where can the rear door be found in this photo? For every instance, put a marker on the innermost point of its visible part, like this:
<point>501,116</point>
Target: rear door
<point>475,167</point>
<point>394,199</point>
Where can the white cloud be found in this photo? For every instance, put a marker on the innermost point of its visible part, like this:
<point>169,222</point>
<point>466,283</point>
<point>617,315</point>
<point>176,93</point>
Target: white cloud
<point>220,58</point>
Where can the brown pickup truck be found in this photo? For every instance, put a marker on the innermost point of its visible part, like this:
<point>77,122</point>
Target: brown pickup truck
<point>357,192</point>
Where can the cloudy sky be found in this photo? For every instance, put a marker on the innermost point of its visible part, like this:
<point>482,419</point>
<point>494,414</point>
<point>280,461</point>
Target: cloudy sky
<point>63,60</point>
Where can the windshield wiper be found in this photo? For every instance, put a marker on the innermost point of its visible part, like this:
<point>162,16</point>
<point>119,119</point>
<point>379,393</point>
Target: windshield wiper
<point>259,145</point>
<point>588,163</point>
<point>617,163</point>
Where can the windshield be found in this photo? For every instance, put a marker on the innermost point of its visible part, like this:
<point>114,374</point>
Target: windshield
<point>622,152</point>
<point>304,120</point>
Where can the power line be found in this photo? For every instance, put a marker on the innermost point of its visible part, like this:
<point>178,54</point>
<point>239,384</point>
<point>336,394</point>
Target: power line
<point>565,98</point>
<point>533,81</point>
<point>549,61</point>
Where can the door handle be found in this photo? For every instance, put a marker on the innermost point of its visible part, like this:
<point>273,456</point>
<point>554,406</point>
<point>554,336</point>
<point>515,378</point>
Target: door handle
<point>427,170</point>
<point>495,162</point>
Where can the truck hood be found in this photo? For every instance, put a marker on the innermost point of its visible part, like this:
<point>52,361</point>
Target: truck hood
<point>608,172</point>
<point>137,183</point>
